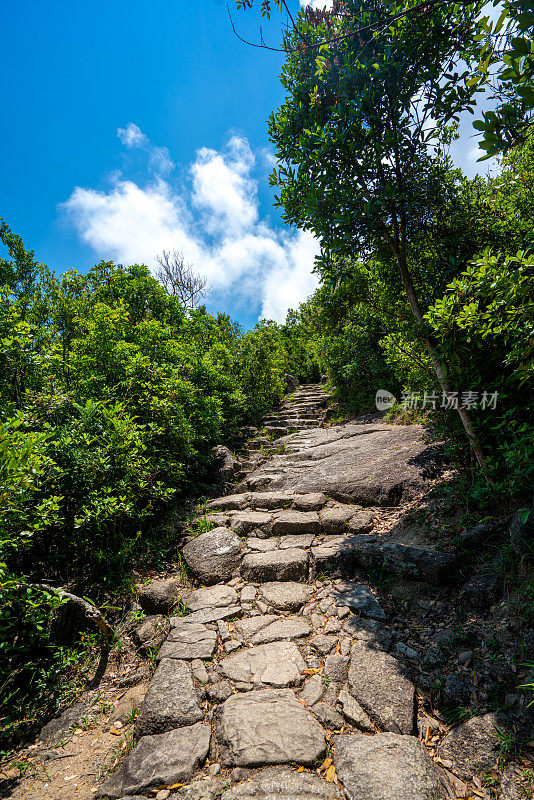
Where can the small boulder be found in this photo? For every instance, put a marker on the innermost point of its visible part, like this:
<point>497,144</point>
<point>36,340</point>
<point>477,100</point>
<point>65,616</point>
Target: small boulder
<point>286,595</point>
<point>159,597</point>
<point>150,633</point>
<point>171,700</point>
<point>225,464</point>
<point>213,556</point>
<point>473,746</point>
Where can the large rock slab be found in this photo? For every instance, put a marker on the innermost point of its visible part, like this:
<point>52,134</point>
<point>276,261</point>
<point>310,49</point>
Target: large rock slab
<point>277,664</point>
<point>268,726</point>
<point>293,522</point>
<point>386,767</point>
<point>213,556</point>
<point>379,683</point>
<point>166,759</point>
<point>276,565</point>
<point>171,700</point>
<point>246,522</point>
<point>335,519</point>
<point>283,783</point>
<point>212,597</point>
<point>189,640</point>
<point>421,563</point>
<point>289,628</point>
<point>474,746</point>
<point>359,597</point>
<point>371,464</point>
<point>286,595</point>
<point>334,558</point>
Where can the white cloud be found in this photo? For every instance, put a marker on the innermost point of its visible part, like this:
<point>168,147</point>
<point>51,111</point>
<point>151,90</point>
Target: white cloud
<point>160,162</point>
<point>317,3</point>
<point>132,136</point>
<point>214,221</point>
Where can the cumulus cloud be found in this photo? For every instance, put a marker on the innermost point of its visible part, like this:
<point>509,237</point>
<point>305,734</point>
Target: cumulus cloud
<point>214,220</point>
<point>317,3</point>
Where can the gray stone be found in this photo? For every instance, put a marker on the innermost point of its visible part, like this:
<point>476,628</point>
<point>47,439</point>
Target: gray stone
<point>359,597</point>
<point>482,590</point>
<point>160,596</point>
<point>231,645</point>
<point>456,691</point>
<point>406,651</point>
<point>283,783</point>
<point>199,670</point>
<point>231,502</point>
<point>261,545</point>
<point>287,595</point>
<point>208,615</point>
<point>361,522</point>
<point>474,746</point>
<point>225,464</point>
<point>368,630</point>
<point>323,643</point>
<point>269,726</point>
<point>379,683</point>
<point>296,540</point>
<point>246,522</point>
<point>313,690</point>
<point>375,464</point>
<point>166,758</point>
<point>312,501</point>
<point>511,784</point>
<point>189,640</point>
<point>213,556</point>
<point>333,558</point>
<point>279,565</point>
<point>219,691</point>
<point>328,716</point>
<point>59,727</point>
<point>336,668</point>
<point>213,597</point>
<point>333,625</point>
<point>289,628</point>
<point>171,700</point>
<point>335,519</point>
<point>270,500</point>
<point>248,593</point>
<point>422,563</point>
<point>386,767</point>
<point>201,789</point>
<point>354,712</point>
<point>127,705</point>
<point>296,522</point>
<point>275,664</point>
<point>248,626</point>
<point>150,632</point>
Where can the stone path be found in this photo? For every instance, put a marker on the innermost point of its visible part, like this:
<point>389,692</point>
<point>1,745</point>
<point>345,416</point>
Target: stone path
<point>285,660</point>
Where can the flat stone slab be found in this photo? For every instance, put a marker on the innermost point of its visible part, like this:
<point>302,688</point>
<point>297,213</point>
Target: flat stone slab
<point>335,519</point>
<point>268,726</point>
<point>296,522</point>
<point>212,597</point>
<point>296,540</point>
<point>372,464</point>
<point>286,595</point>
<point>333,558</point>
<point>434,566</point>
<point>386,767</point>
<point>232,502</point>
<point>290,628</point>
<point>166,758</point>
<point>353,711</point>
<point>379,683</point>
<point>270,500</point>
<point>261,545</point>
<point>474,746</point>
<point>313,501</point>
<point>245,522</point>
<point>189,640</point>
<point>213,556</point>
<point>248,626</point>
<point>360,598</point>
<point>278,565</point>
<point>171,700</point>
<point>276,664</point>
<point>208,615</point>
<point>361,522</point>
<point>283,783</point>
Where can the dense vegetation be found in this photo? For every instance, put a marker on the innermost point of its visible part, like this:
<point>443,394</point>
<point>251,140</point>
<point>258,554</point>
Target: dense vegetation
<point>113,392</point>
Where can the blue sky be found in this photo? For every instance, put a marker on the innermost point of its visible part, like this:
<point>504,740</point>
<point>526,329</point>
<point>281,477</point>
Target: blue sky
<point>133,127</point>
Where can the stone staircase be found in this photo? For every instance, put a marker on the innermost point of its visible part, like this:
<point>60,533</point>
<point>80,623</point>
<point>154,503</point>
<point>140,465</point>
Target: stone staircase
<point>283,677</point>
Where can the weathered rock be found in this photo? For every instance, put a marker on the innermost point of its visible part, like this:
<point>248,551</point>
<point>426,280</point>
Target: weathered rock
<point>58,727</point>
<point>313,690</point>
<point>335,519</point>
<point>296,540</point>
<point>289,628</point>
<point>248,626</point>
<point>328,716</point>
<point>359,597</point>
<point>478,535</point>
<point>283,783</point>
<point>166,758</point>
<point>379,683</point>
<point>159,597</point>
<point>361,522</point>
<point>278,565</point>
<point>353,711</point>
<point>511,784</point>
<point>323,643</point>
<point>313,501</point>
<point>206,615</point>
<point>456,692</point>
<point>434,566</point>
<point>276,664</point>
<point>199,670</point>
<point>171,700</point>
<point>189,640</point>
<point>254,730</point>
<point>386,767</point>
<point>246,522</point>
<point>270,500</point>
<point>131,700</point>
<point>375,464</point>
<point>262,545</point>
<point>287,595</point>
<point>219,691</point>
<point>225,464</point>
<point>336,668</point>
<point>474,746</point>
<point>232,502</point>
<point>213,556</point>
<point>482,590</point>
<point>150,632</point>
<point>201,789</point>
<point>212,597</point>
<point>333,558</point>
<point>293,522</point>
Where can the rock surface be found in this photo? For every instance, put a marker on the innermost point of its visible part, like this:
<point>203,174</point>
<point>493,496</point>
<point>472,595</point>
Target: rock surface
<point>283,783</point>
<point>276,664</point>
<point>171,700</point>
<point>189,640</point>
<point>213,556</point>
<point>473,746</point>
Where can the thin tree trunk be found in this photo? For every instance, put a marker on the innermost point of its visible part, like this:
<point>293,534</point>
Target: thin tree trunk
<point>90,611</point>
